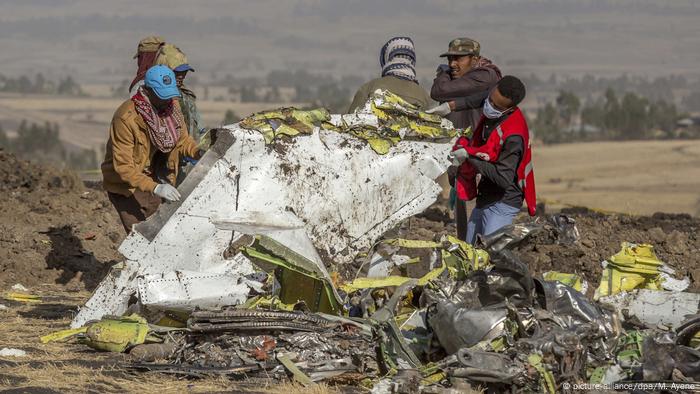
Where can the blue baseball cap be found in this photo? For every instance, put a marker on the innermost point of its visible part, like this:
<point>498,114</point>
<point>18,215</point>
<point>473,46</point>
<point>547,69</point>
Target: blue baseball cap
<point>161,80</point>
<point>183,67</point>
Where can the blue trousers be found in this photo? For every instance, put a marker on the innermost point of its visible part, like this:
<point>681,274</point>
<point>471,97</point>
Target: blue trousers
<point>489,219</point>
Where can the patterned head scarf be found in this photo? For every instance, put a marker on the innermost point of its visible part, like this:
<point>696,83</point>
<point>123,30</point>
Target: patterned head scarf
<point>398,58</point>
<point>163,126</point>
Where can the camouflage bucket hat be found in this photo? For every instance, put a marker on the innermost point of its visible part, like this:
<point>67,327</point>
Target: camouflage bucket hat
<point>149,44</point>
<point>173,57</point>
<point>463,46</point>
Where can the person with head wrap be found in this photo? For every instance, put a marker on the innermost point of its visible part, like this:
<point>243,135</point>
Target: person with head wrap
<point>146,54</point>
<point>397,59</point>
<point>147,138</point>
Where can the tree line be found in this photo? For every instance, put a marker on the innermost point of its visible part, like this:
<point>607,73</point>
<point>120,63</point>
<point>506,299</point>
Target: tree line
<point>66,86</point>
<point>41,143</point>
<point>614,116</point>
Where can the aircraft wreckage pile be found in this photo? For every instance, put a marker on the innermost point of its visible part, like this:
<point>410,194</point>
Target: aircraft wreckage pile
<point>234,280</point>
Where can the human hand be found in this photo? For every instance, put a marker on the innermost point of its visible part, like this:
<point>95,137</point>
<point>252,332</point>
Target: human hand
<point>443,68</point>
<point>442,109</point>
<point>458,156</point>
<point>167,192</point>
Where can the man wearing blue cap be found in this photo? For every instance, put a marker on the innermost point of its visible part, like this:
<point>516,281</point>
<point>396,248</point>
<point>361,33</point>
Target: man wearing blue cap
<point>147,136</point>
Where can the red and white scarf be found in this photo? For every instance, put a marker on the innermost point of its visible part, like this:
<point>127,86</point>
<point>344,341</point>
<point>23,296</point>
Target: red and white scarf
<point>163,126</point>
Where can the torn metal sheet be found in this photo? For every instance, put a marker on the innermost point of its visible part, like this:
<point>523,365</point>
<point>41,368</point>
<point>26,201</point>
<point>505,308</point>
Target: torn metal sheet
<point>661,356</point>
<point>565,227</point>
<point>491,367</point>
<point>572,307</point>
<point>457,327</point>
<point>317,180</point>
<point>655,307</point>
<point>636,266</point>
<point>507,237</point>
<point>575,281</point>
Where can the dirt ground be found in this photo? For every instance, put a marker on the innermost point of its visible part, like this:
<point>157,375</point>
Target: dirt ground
<point>53,229</point>
<point>675,239</point>
<point>58,238</point>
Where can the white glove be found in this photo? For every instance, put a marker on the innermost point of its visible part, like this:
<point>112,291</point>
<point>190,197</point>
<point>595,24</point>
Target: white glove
<point>167,192</point>
<point>458,156</point>
<point>442,109</point>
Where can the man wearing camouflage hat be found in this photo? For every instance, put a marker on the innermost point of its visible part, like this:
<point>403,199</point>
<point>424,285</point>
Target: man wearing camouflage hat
<point>465,74</point>
<point>171,56</point>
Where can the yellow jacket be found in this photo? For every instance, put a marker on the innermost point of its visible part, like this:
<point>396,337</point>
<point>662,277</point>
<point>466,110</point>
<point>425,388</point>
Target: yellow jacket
<point>129,153</point>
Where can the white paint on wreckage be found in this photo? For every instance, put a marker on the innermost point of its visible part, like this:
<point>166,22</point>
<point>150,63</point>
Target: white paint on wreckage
<point>339,197</point>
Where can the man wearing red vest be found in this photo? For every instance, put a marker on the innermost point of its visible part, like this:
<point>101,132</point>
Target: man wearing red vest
<point>508,180</point>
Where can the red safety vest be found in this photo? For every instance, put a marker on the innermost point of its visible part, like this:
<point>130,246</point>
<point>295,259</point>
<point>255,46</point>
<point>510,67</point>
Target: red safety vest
<point>514,124</point>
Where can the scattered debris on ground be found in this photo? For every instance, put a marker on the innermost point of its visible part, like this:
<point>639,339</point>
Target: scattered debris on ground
<point>10,352</point>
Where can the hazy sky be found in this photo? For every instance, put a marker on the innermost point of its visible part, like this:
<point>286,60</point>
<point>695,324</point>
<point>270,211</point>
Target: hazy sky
<point>96,40</point>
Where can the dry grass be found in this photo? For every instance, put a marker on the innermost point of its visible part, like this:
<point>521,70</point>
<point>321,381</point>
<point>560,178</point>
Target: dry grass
<point>70,367</point>
<point>293,388</point>
<point>639,177</point>
<point>68,377</point>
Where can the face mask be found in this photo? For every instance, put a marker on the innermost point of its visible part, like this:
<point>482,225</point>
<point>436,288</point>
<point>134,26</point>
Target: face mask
<point>491,112</point>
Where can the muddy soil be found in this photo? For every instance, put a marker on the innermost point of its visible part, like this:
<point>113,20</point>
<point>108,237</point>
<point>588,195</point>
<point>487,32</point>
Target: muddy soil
<point>53,229</point>
<point>675,239</point>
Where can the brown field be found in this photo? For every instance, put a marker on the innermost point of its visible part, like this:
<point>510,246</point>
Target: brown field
<point>84,121</point>
<point>639,177</point>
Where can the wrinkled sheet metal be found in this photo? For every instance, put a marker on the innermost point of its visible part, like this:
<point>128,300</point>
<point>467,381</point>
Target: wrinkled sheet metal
<point>507,237</point>
<point>480,366</point>
<point>303,193</point>
<point>572,308</point>
<point>661,355</point>
<point>457,327</point>
<point>475,309</point>
<point>654,307</point>
<point>573,280</point>
<point>565,227</point>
